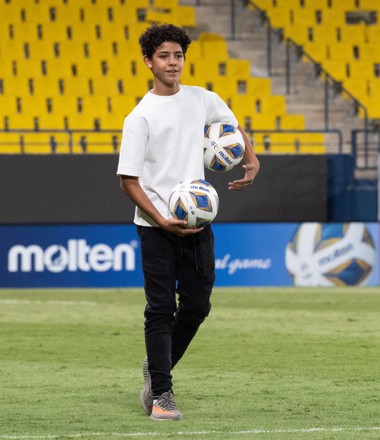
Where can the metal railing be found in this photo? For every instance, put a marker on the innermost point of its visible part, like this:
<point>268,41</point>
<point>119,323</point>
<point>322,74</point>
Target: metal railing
<point>54,141</point>
<point>366,148</point>
<point>333,141</point>
<point>329,80</point>
<point>329,83</point>
<point>24,141</point>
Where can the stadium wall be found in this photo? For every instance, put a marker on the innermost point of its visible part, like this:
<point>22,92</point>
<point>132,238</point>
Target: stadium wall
<point>83,189</point>
<point>64,222</point>
<point>349,199</point>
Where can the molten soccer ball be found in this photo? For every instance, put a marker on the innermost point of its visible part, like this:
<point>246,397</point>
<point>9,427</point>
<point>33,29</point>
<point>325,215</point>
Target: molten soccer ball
<point>330,255</point>
<point>195,201</point>
<point>223,146</point>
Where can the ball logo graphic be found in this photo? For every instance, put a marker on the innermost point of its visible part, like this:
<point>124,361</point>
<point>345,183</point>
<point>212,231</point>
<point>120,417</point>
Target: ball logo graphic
<point>223,146</point>
<point>195,201</point>
<point>321,254</point>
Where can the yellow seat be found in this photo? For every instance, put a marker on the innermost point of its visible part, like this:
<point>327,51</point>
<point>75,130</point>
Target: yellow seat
<point>312,143</point>
<point>71,86</point>
<point>20,121</point>
<point>258,143</point>
<point>82,69</point>
<point>14,86</point>
<point>243,108</point>
<point>52,121</point>
<point>96,143</point>
<point>10,143</point>
<point>282,143</point>
<point>347,51</point>
<point>292,122</point>
<point>361,69</point>
<point>238,68</point>
<point>38,143</point>
<point>213,47</point>
<point>158,16</point>
<point>337,69</point>
<point>259,87</point>
<point>275,104</point>
<point>263,121</point>
<point>184,16</point>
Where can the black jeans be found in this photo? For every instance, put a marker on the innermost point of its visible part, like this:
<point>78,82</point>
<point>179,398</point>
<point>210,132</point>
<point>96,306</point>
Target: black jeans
<point>173,264</point>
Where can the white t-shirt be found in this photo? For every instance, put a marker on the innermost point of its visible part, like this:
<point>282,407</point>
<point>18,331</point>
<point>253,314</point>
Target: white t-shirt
<point>162,142</point>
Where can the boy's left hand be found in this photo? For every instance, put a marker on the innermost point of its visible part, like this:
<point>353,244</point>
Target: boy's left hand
<point>250,174</point>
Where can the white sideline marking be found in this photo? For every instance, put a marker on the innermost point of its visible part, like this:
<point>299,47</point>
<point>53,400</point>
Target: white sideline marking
<point>186,433</point>
<point>50,302</point>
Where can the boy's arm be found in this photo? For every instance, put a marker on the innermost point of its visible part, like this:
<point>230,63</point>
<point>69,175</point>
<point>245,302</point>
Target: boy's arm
<point>132,188</point>
<point>251,166</point>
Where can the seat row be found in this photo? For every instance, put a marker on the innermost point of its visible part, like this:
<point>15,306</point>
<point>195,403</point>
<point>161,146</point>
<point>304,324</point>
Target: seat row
<point>83,71</point>
<point>82,13</point>
<point>108,142</point>
<point>347,51</point>
<point>82,111</point>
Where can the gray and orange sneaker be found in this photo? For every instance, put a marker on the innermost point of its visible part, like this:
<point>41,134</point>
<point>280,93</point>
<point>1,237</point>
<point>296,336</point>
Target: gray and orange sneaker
<point>146,396</point>
<point>164,408</point>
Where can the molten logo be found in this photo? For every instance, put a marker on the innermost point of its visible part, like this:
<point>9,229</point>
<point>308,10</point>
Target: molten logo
<point>76,256</point>
<point>225,157</point>
<point>337,253</point>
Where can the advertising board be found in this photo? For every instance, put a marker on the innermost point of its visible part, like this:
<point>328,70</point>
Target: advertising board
<point>247,254</point>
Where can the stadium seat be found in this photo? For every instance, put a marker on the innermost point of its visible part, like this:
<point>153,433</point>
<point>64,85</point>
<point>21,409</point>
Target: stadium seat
<point>213,47</point>
<point>77,66</point>
<point>10,143</point>
<point>348,51</point>
<point>15,121</point>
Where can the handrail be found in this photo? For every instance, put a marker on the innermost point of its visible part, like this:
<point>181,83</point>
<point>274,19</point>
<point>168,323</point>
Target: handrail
<point>336,132</point>
<point>114,141</point>
<point>53,144</point>
<point>371,152</point>
<point>330,77</point>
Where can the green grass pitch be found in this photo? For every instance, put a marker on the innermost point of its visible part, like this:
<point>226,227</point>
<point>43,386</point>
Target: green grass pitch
<point>269,363</point>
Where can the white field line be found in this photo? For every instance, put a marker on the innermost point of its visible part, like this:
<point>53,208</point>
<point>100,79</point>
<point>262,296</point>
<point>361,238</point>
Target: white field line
<point>188,433</point>
<point>49,302</point>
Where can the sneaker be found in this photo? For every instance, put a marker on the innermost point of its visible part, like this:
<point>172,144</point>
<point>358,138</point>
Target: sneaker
<point>146,396</point>
<point>164,408</point>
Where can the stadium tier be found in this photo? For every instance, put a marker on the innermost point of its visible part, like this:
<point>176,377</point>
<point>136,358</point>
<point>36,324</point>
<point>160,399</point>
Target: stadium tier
<point>76,66</point>
<point>342,35</point>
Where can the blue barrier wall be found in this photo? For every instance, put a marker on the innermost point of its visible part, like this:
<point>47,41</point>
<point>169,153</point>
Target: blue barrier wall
<point>247,254</point>
<point>349,199</point>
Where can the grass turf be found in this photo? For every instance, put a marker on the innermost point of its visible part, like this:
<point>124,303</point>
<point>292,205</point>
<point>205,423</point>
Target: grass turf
<point>273,363</point>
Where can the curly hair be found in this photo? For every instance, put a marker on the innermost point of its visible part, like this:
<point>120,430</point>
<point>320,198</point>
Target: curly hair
<point>155,35</point>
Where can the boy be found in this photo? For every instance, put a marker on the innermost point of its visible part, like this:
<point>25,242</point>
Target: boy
<point>162,145</point>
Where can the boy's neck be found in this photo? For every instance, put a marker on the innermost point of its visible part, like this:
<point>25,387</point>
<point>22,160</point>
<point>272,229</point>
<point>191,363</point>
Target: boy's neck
<point>161,90</point>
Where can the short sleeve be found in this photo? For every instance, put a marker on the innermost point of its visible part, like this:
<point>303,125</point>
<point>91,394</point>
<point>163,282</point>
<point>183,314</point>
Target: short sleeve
<point>219,111</point>
<point>133,146</point>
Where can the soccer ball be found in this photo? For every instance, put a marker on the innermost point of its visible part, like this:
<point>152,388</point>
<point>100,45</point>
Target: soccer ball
<point>223,146</point>
<point>330,255</point>
<point>195,201</point>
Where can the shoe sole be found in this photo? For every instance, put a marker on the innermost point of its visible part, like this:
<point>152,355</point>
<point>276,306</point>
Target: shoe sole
<point>146,393</point>
<point>165,419</point>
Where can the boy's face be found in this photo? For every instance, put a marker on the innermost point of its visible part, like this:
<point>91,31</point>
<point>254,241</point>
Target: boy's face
<point>167,64</point>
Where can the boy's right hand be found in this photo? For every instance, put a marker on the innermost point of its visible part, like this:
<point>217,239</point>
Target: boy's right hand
<point>178,227</point>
